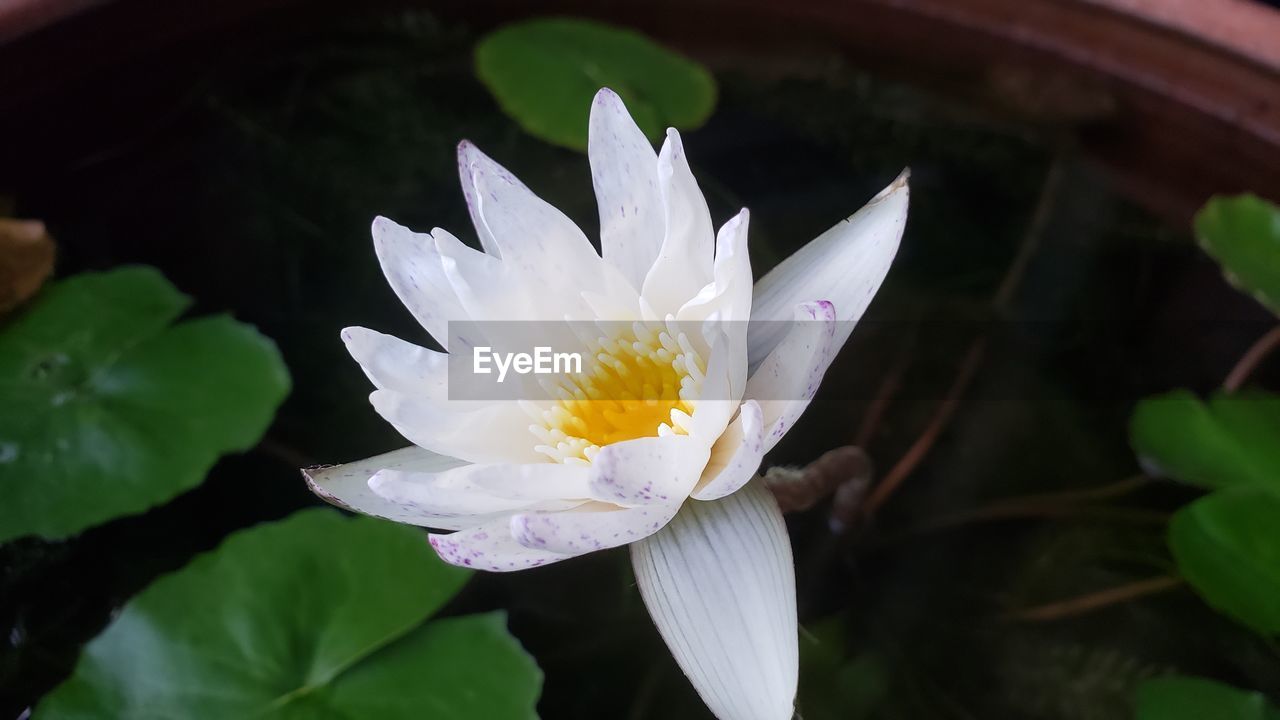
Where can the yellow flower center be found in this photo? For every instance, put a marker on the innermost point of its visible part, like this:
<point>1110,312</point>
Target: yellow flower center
<point>640,383</point>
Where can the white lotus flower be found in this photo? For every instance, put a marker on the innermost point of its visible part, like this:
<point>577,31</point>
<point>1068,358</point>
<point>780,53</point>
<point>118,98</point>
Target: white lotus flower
<point>528,483</point>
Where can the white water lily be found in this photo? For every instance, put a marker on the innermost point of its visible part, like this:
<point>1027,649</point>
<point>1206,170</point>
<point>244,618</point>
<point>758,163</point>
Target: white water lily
<point>524,484</point>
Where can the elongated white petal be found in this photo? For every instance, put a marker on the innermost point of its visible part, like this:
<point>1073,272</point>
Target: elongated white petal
<point>684,263</point>
<point>624,171</point>
<point>844,265</point>
<point>722,387</point>
<point>483,489</point>
<point>490,546</point>
<point>647,471</point>
<point>736,455</point>
<point>728,296</point>
<point>720,585</point>
<point>538,245</point>
<point>347,485</point>
<point>393,364</point>
<point>789,376</point>
<point>495,432</point>
<point>478,280</point>
<point>412,266</point>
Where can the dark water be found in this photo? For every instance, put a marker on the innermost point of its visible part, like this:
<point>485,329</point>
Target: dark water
<point>249,169</point>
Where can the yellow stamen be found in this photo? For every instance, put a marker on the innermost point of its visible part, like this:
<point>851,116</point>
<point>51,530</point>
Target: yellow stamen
<point>637,385</point>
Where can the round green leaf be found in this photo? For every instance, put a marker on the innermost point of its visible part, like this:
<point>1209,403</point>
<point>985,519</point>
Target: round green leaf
<point>109,410</point>
<point>545,72</point>
<point>1231,441</point>
<point>1228,547</point>
<point>315,616</point>
<point>1192,698</point>
<point>1243,234</point>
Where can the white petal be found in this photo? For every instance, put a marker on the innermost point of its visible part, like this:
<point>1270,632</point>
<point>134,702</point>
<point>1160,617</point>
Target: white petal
<point>393,364</point>
<point>412,266</point>
<point>789,376</point>
<point>540,247</point>
<point>722,387</point>
<point>684,263</point>
<point>844,265</point>
<point>490,547</point>
<point>474,431</point>
<point>672,464</point>
<point>728,296</point>
<point>720,585</point>
<point>483,489</point>
<point>736,455</point>
<point>347,485</point>
<point>624,171</point>
<point>647,471</point>
<point>597,526</point>
<point>477,279</point>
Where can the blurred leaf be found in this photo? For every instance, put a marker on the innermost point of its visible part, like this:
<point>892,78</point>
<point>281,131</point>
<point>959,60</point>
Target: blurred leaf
<point>315,616</point>
<point>544,74</point>
<point>26,260</point>
<point>1232,441</point>
<point>1228,547</point>
<point>1243,234</point>
<point>1192,698</point>
<point>108,410</point>
<point>833,687</point>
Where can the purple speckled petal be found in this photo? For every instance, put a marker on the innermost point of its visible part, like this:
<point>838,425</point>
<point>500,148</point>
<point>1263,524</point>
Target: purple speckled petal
<point>598,526</point>
<point>736,455</point>
<point>648,471</point>
<point>624,171</point>
<point>491,547</point>
<point>789,377</point>
<point>720,585</point>
<point>844,265</point>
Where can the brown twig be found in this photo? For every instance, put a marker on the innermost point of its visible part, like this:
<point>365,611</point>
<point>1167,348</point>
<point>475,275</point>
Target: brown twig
<point>1251,359</point>
<point>924,443</point>
<point>885,393</point>
<point>798,489</point>
<point>1082,604</point>
<point>1052,505</point>
<point>977,349</point>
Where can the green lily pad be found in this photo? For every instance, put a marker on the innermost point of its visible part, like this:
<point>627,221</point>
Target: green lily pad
<point>1243,234</point>
<point>314,616</point>
<point>1193,698</point>
<point>1231,441</point>
<point>109,409</point>
<point>1228,547</point>
<point>545,72</point>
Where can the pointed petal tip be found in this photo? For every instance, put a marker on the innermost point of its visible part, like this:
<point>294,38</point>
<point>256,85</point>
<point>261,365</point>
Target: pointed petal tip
<point>824,310</point>
<point>449,551</point>
<point>899,184</point>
